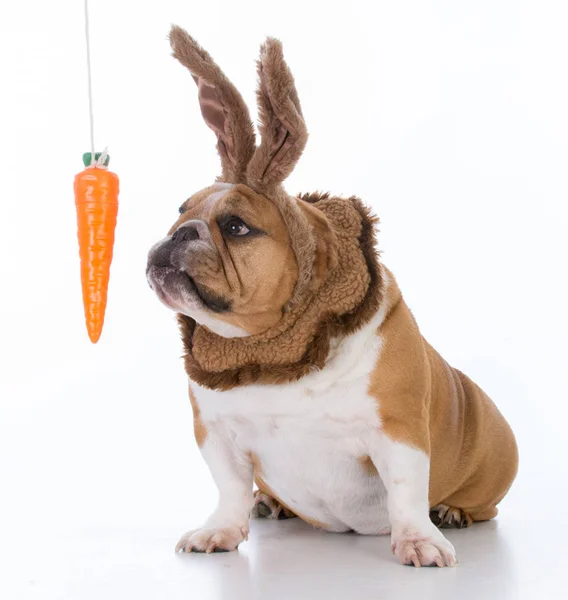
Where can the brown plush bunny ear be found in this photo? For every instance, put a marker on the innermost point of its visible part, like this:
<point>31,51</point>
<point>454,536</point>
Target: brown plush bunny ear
<point>282,127</point>
<point>222,106</point>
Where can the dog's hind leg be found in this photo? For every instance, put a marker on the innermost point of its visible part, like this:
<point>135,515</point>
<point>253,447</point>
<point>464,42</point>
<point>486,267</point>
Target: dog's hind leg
<point>448,517</point>
<point>267,507</point>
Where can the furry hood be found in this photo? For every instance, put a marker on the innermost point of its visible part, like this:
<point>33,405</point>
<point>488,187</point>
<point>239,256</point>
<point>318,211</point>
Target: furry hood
<point>330,301</point>
<point>299,343</point>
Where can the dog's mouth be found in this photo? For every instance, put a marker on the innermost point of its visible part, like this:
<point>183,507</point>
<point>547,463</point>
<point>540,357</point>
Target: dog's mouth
<point>170,283</point>
<point>175,287</point>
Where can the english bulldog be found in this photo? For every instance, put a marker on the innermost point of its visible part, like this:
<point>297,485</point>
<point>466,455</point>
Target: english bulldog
<point>308,374</point>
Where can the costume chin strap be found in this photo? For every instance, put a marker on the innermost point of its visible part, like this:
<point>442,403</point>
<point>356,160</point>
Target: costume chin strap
<point>299,342</point>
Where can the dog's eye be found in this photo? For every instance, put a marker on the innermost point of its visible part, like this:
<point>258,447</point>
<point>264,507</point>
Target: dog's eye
<point>235,226</point>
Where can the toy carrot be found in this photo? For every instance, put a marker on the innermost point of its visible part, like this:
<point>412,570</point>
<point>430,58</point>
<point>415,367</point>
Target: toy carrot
<point>96,200</point>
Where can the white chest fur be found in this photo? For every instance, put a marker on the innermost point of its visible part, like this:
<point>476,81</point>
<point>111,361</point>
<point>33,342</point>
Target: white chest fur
<point>309,437</point>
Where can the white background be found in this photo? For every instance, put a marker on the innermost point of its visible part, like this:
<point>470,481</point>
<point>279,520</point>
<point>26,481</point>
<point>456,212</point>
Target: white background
<point>450,118</point>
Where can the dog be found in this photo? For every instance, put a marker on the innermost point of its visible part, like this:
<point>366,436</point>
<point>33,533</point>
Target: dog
<point>308,374</point>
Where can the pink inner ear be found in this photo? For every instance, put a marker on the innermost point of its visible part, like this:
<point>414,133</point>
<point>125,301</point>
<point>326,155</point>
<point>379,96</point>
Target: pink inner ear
<point>214,114</point>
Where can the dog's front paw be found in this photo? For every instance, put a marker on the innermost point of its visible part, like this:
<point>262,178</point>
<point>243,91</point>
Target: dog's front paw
<point>422,546</point>
<point>213,539</point>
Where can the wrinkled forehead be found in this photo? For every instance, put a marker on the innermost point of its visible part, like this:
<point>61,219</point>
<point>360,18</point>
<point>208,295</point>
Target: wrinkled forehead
<point>231,199</point>
<point>201,204</point>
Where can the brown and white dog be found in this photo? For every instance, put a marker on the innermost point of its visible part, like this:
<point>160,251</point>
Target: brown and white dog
<point>308,374</point>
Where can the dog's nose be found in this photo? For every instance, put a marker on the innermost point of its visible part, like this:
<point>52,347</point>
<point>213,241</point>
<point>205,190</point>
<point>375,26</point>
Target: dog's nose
<point>185,234</point>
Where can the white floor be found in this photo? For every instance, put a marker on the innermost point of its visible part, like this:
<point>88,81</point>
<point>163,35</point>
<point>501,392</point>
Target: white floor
<point>521,555</point>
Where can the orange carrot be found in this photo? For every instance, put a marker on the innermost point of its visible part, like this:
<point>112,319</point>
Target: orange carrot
<point>96,200</point>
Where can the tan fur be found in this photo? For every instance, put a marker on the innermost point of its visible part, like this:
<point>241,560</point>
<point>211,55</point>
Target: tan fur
<point>368,466</point>
<point>257,275</point>
<point>199,429</point>
<point>196,207</point>
<point>425,403</point>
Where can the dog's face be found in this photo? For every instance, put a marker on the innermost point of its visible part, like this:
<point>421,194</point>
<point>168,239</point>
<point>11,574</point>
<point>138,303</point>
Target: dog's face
<point>230,261</point>
<point>227,262</point>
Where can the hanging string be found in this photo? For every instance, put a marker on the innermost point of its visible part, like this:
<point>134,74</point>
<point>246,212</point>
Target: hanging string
<point>91,115</point>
